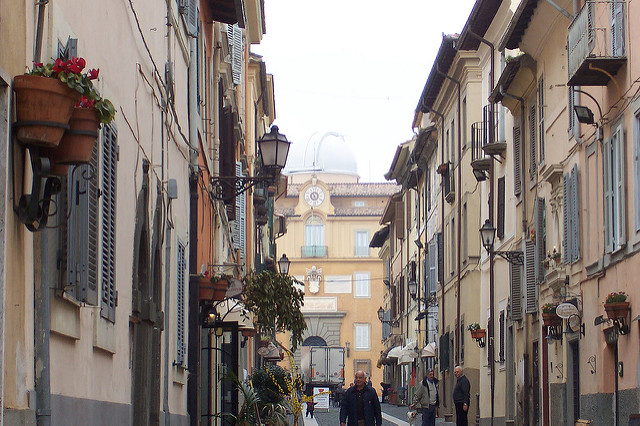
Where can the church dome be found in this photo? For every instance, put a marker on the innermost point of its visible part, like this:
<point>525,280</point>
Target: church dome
<point>323,153</point>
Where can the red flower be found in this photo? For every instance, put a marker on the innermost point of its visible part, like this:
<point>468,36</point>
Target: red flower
<point>76,65</point>
<point>84,102</point>
<point>59,66</point>
<point>93,74</point>
<point>38,65</point>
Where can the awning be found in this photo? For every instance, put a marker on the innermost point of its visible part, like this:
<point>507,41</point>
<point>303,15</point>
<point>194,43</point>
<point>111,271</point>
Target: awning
<point>395,352</point>
<point>408,353</point>
<point>429,350</point>
<point>379,237</point>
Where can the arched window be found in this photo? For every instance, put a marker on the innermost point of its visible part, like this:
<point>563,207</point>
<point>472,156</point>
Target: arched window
<point>314,238</point>
<point>314,341</point>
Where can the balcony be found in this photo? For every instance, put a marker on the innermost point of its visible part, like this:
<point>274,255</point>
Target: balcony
<point>449,185</point>
<point>314,251</point>
<point>596,43</point>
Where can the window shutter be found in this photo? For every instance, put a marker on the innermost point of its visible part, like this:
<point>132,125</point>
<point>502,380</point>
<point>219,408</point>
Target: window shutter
<point>180,293</point>
<point>239,224</point>
<point>190,12</point>
<point>637,167</point>
<point>575,218</point>
<point>532,145</point>
<point>108,197</point>
<point>501,207</point>
<point>541,118</point>
<point>515,272</point>
<point>617,28</point>
<point>399,220</point>
<point>433,265</point>
<point>517,163</point>
<point>386,326</point>
<point>570,112</point>
<point>501,325</point>
<point>608,197</point>
<point>566,218</point>
<point>440,257</point>
<point>228,161</point>
<point>618,166</point>
<point>394,301</point>
<point>530,277</point>
<point>444,352</point>
<point>540,239</point>
<point>408,210</point>
<point>234,34</point>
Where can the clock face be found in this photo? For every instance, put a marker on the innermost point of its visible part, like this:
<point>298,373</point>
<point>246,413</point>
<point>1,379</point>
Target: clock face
<point>314,196</point>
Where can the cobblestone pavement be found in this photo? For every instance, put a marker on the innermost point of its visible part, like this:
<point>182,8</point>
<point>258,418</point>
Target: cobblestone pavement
<point>332,418</point>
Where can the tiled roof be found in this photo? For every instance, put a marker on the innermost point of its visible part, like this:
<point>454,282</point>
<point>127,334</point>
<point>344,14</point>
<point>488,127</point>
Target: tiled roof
<point>284,211</point>
<point>378,189</point>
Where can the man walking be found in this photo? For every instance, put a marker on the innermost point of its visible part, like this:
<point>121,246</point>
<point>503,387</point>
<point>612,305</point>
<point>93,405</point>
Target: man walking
<point>427,397</point>
<point>360,405</point>
<point>461,396</point>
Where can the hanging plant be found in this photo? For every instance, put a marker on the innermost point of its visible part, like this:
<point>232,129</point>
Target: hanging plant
<point>276,304</point>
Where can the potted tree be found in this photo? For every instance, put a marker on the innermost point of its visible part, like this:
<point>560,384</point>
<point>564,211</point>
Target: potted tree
<point>549,316</point>
<point>616,305</point>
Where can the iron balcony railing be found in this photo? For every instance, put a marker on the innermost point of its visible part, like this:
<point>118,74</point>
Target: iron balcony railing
<point>598,31</point>
<point>483,133</point>
<point>314,251</point>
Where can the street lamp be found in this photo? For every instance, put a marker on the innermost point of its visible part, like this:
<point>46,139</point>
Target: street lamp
<point>283,264</point>
<point>488,235</point>
<point>384,321</point>
<point>273,150</point>
<point>413,292</point>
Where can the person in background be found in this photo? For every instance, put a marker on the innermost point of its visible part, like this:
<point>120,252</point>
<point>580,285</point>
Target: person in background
<point>461,396</point>
<point>360,405</point>
<point>310,407</point>
<point>427,397</point>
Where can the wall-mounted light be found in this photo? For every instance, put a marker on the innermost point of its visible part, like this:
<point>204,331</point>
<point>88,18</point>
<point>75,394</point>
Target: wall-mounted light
<point>488,236</point>
<point>273,150</point>
<point>584,114</point>
<point>283,264</point>
<point>393,323</point>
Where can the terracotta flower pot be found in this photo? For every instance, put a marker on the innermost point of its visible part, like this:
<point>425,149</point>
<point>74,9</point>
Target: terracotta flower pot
<point>479,333</point>
<point>213,291</point>
<point>43,108</point>
<point>616,310</point>
<point>551,319</point>
<point>77,143</point>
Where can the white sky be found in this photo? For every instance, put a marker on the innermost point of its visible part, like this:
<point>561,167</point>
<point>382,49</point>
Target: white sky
<point>356,67</point>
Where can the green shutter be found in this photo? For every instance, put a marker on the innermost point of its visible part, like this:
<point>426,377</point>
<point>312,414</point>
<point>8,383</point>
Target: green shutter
<point>532,142</point>
<point>180,298</point>
<point>517,162</point>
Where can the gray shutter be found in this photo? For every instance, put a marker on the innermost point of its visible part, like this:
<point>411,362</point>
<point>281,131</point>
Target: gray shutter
<point>180,293</point>
<point>190,11</point>
<point>386,325</point>
<point>515,271</point>
<point>575,218</point>
<point>109,182</point>
<point>239,224</point>
<point>433,265</point>
<point>234,33</point>
<point>530,277</point>
<point>540,239</point>
<point>566,218</point>
<point>618,188</point>
<point>571,114</point>
<point>617,28</point>
<point>637,177</point>
<point>541,118</point>
<point>532,145</point>
<point>501,208</point>
<point>399,220</point>
<point>608,197</point>
<point>517,163</point>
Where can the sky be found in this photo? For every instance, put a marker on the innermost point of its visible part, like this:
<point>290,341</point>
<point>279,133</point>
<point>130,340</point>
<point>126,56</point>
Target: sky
<point>355,67</point>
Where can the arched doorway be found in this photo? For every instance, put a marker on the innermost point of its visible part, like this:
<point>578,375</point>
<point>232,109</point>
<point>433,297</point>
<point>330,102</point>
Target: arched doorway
<point>314,341</point>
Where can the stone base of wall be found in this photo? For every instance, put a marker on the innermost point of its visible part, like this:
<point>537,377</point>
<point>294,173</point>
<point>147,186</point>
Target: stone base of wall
<point>76,411</point>
<point>599,407</point>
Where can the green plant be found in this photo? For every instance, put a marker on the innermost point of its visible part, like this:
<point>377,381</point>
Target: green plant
<point>275,302</point>
<point>70,73</point>
<point>248,413</point>
<point>474,326</point>
<point>616,297</point>
<point>270,383</point>
<point>549,308</point>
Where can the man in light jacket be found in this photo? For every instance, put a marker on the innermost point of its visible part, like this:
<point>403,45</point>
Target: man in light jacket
<point>427,398</point>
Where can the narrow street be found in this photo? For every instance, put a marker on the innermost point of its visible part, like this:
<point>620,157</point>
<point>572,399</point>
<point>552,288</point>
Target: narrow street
<point>391,415</point>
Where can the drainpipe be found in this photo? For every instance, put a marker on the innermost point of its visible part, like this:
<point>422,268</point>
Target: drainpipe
<point>41,305</point>
<point>459,231</point>
<point>193,360</point>
<point>444,382</point>
<point>492,367</point>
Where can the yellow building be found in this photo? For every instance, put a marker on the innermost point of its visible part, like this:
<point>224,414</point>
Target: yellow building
<point>331,218</point>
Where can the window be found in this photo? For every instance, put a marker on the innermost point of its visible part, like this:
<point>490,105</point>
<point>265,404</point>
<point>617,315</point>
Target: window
<point>88,243</point>
<point>314,238</point>
<point>362,284</point>
<point>464,122</point>
<point>614,196</point>
<point>362,336</point>
<point>180,298</point>
<point>541,119</point>
<point>501,208</point>
<point>515,272</point>
<point>362,244</point>
<point>462,331</point>
<point>358,203</point>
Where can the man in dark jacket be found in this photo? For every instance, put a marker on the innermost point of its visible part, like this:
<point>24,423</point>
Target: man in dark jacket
<point>461,396</point>
<point>360,405</point>
<point>427,398</point>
